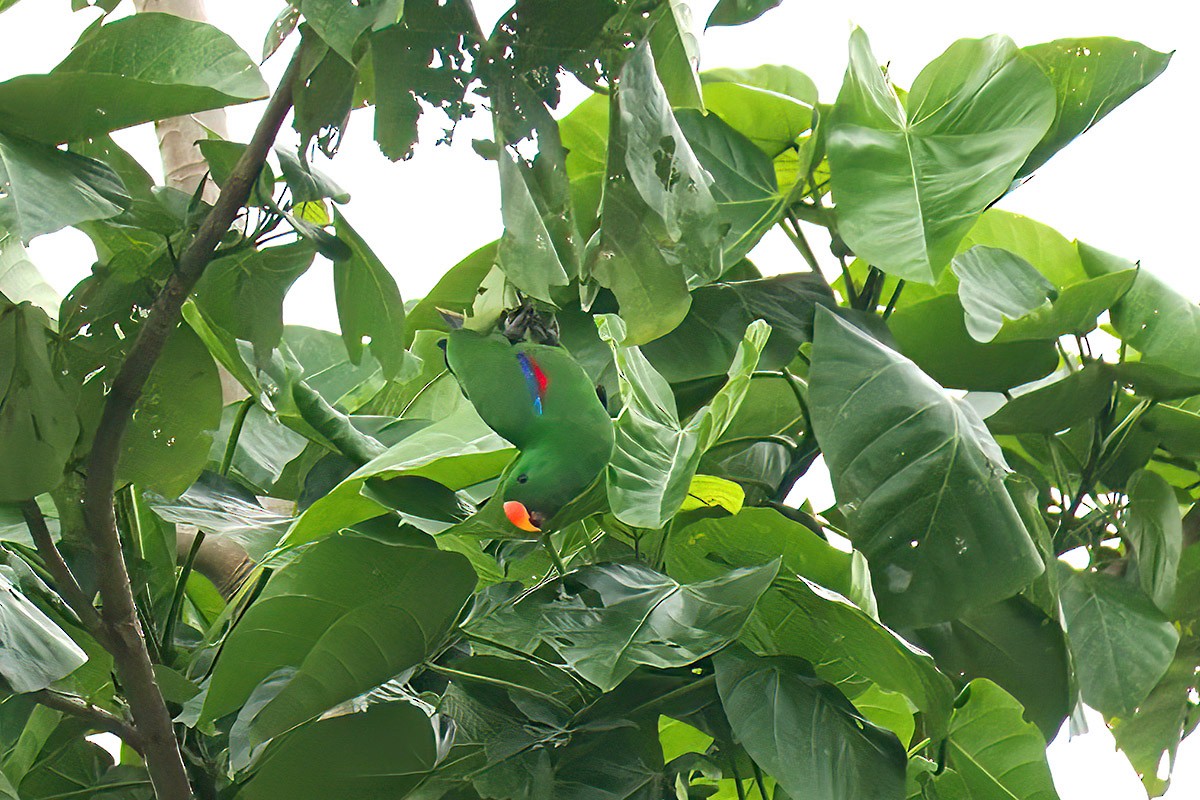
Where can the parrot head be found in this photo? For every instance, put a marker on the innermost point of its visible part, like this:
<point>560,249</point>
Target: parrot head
<point>542,481</point>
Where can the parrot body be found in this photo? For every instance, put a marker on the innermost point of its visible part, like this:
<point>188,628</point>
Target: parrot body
<point>537,397</point>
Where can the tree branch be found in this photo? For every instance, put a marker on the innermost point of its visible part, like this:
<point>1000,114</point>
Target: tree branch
<point>64,579</point>
<point>99,718</point>
<point>128,645</point>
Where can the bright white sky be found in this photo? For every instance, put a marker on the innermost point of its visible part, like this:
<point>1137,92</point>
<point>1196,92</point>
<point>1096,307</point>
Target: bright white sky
<point>1129,186</point>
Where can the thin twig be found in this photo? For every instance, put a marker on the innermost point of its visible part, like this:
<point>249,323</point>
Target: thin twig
<point>99,718</point>
<point>128,645</point>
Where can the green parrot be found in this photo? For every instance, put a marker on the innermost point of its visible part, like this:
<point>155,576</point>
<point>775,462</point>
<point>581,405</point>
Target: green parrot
<point>537,397</point>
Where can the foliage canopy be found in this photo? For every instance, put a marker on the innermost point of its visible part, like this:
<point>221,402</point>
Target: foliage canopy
<point>991,399</point>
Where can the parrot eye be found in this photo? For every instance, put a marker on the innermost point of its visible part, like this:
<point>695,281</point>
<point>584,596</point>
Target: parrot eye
<point>522,479</point>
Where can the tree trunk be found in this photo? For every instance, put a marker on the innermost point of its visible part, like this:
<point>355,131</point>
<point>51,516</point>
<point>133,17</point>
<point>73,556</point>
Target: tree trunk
<point>183,165</point>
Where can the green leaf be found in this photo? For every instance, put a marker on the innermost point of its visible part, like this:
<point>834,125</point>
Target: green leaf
<point>920,477</point>
<point>605,620</point>
<point>995,287</point>
<point>20,279</point>
<point>1154,530</point>
<point>706,491</point>
<point>167,443</point>
<point>656,453</point>
<point>38,427</point>
<point>808,615</point>
<point>369,304</point>
<point>220,507</point>
<point>1045,248</point>
<point>911,176</point>
<point>36,652</point>
<point>429,56</point>
<point>739,12</point>
<point>1154,319</point>
<point>1091,77</point>
<point>457,451</point>
<point>1121,643</point>
<point>996,752</point>
<point>533,253</point>
<point>1161,721</point>
<point>748,199</point>
<point>455,291</point>
<point>934,335</point>
<point>711,334</point>
<point>45,189</point>
<point>804,732</point>
<point>337,23</point>
<point>659,234</point>
<point>346,615</point>
<point>384,751</point>
<point>243,293</point>
<point>1014,644</point>
<point>307,184</point>
<point>1055,407</point>
<point>771,105</point>
<point>137,69</point>
<point>677,54</point>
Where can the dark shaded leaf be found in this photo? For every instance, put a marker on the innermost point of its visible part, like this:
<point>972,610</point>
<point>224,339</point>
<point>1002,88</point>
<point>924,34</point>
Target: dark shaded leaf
<point>804,732</point>
<point>346,615</point>
<point>606,620</point>
<point>384,751</point>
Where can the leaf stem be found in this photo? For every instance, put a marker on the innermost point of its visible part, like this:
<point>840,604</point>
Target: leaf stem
<point>168,634</point>
<point>235,433</point>
<point>891,305</point>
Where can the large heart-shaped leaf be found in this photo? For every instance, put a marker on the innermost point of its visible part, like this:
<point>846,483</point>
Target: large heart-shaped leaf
<point>921,479</point>
<point>911,176</point>
<point>607,619</point>
<point>994,750</point>
<point>1122,644</point>
<point>770,105</point>
<point>804,732</point>
<point>1091,77</point>
<point>747,193</point>
<point>137,69</point>
<point>656,453</point>
<point>347,614</point>
<point>243,293</point>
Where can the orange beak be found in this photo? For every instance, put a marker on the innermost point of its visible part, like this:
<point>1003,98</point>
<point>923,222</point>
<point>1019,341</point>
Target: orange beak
<point>519,515</point>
